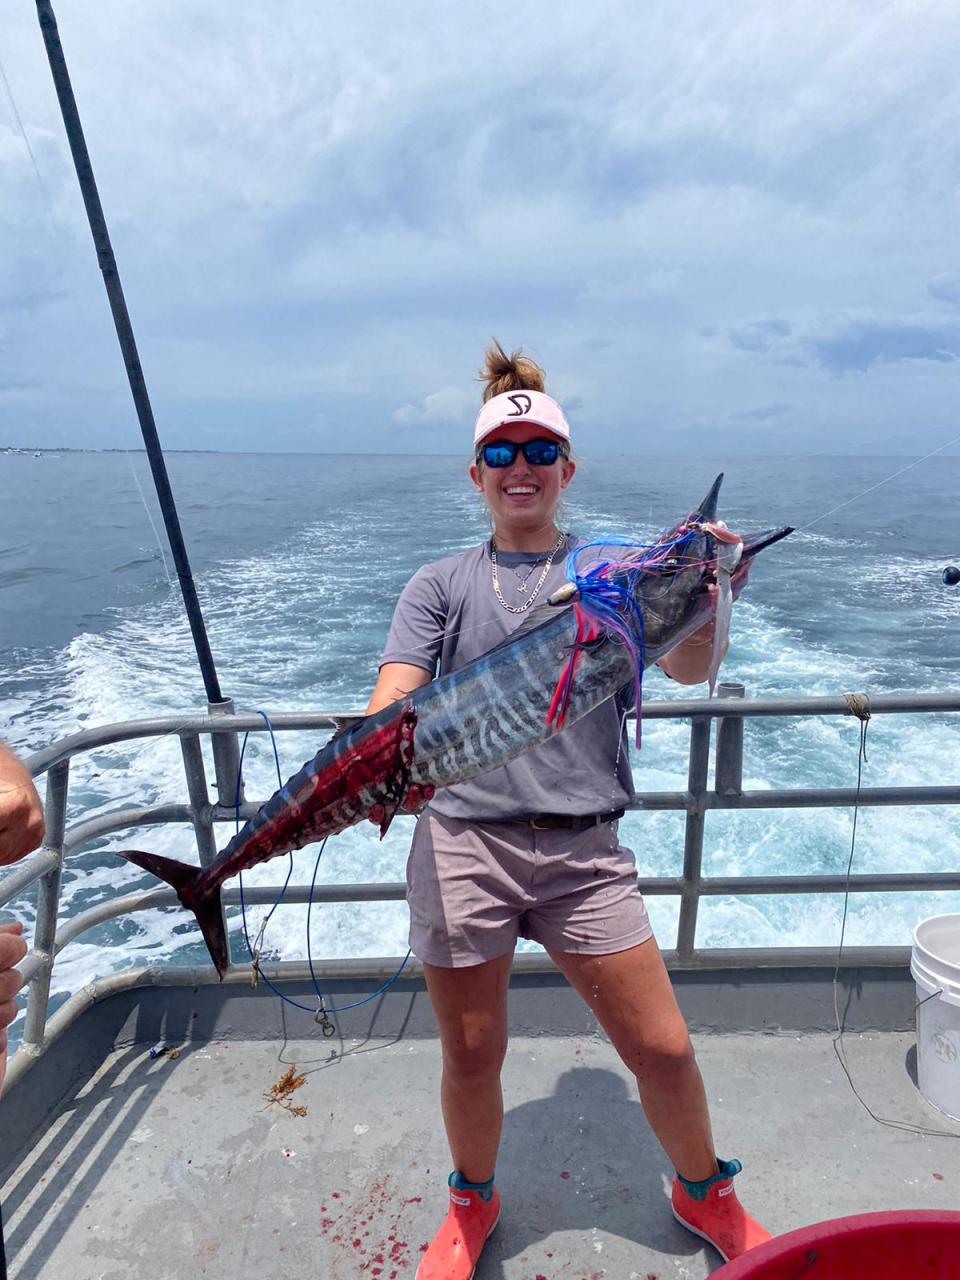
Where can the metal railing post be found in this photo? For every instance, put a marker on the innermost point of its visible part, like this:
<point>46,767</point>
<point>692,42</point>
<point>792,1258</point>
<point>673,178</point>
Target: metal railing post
<point>226,757</point>
<point>693,834</point>
<point>201,809</point>
<point>48,907</point>
<point>199,797</point>
<point>728,770</point>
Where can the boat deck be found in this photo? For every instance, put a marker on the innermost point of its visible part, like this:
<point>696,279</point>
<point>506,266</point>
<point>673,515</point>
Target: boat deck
<point>178,1166</point>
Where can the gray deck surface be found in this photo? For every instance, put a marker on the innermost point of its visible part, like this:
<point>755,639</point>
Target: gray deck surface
<point>171,1168</point>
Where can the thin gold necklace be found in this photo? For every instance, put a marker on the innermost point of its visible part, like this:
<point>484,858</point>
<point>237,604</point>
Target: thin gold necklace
<point>513,608</point>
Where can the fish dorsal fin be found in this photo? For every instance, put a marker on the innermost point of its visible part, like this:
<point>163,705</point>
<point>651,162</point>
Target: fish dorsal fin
<point>537,617</point>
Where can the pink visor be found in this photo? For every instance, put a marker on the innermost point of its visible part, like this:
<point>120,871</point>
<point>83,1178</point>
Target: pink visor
<point>521,406</point>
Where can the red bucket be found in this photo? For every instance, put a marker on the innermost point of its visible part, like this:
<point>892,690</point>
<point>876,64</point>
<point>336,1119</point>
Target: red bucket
<point>909,1244</point>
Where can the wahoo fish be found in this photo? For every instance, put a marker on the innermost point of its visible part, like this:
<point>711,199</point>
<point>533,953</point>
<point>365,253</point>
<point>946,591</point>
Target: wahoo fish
<point>616,615</point>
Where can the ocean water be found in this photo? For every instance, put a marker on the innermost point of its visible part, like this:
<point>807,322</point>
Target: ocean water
<point>299,560</point>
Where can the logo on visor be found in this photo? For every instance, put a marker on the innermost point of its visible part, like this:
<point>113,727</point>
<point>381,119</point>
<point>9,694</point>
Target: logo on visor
<point>523,404</point>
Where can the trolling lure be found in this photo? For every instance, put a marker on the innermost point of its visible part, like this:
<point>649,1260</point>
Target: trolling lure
<point>629,612</point>
<point>607,580</point>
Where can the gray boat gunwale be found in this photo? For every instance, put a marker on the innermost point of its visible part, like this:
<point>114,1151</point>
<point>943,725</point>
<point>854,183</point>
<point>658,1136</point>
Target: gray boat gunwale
<point>729,709</point>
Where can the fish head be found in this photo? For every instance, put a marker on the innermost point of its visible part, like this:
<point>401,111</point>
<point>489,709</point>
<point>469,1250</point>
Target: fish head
<point>678,573</point>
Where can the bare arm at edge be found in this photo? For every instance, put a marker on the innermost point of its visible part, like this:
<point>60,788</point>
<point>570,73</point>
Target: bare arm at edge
<point>395,681</point>
<point>21,814</point>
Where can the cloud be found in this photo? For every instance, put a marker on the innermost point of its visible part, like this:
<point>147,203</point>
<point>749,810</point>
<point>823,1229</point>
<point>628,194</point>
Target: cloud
<point>446,407</point>
<point>678,226</point>
<point>760,417</point>
<point>851,342</point>
<point>856,343</point>
<point>13,392</point>
<point>945,288</point>
<point>760,335</point>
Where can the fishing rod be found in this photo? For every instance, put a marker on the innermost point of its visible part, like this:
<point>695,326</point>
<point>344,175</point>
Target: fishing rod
<point>128,346</point>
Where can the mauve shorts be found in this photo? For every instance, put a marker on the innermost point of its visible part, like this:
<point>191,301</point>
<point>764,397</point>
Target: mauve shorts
<point>475,887</point>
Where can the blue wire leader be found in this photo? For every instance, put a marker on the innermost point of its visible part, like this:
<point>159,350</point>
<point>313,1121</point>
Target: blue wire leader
<point>610,600</point>
<point>631,572</point>
<point>316,867</point>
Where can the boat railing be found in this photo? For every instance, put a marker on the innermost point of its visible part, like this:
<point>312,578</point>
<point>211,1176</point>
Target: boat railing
<point>730,709</point>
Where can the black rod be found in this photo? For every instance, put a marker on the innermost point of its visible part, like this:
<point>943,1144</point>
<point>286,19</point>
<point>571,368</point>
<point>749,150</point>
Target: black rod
<point>121,320</point>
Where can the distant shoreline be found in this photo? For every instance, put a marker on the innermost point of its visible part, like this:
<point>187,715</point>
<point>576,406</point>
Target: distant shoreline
<point>30,450</point>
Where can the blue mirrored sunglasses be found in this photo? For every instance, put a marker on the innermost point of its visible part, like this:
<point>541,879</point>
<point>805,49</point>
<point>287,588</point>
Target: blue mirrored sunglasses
<point>539,453</point>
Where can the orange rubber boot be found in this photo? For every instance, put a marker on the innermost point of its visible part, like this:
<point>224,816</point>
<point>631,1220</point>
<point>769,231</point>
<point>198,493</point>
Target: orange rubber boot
<point>711,1210</point>
<point>455,1250</point>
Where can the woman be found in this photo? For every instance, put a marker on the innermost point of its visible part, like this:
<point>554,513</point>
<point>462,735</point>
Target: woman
<point>471,886</point>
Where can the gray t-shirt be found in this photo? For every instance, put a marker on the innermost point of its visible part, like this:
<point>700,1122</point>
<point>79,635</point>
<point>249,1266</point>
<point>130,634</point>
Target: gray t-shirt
<point>447,615</point>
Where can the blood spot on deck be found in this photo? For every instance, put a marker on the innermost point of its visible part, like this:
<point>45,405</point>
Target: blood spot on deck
<point>938,1176</point>
<point>207,1251</point>
<point>378,1252</point>
<point>564,1174</point>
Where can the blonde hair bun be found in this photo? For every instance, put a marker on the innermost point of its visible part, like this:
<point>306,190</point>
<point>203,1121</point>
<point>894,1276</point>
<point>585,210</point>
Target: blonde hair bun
<point>514,372</point>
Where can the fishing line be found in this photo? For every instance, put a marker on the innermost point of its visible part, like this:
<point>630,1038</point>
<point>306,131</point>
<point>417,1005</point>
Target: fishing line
<point>71,292</point>
<point>859,706</point>
<point>26,142</point>
<point>163,558</point>
<point>320,1014</point>
<point>856,498</point>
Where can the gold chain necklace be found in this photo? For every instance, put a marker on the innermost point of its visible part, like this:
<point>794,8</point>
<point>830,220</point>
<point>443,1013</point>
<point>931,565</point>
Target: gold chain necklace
<point>512,608</point>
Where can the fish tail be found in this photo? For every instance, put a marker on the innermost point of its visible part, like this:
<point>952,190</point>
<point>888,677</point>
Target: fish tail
<point>206,907</point>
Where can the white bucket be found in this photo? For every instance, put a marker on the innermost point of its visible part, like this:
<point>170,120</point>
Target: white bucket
<point>935,966</point>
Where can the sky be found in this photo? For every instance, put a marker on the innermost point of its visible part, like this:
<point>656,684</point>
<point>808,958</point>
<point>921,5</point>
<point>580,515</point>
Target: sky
<point>720,227</point>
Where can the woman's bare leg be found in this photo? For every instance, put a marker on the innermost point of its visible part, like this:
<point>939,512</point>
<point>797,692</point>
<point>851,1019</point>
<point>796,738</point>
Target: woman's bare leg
<point>470,1006</point>
<point>630,993</point>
